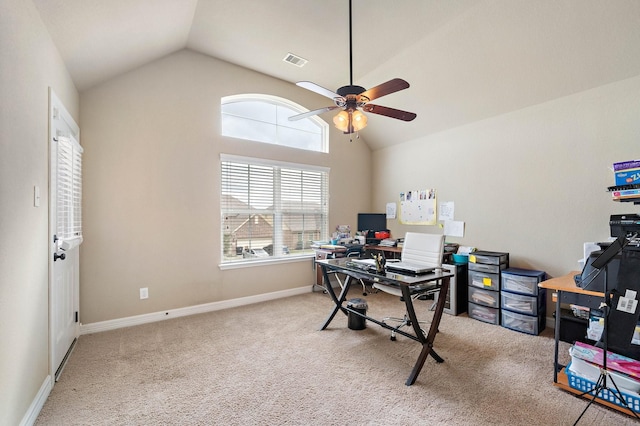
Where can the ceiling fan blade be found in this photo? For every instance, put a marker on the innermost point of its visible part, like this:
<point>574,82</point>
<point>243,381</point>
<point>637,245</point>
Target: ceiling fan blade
<point>310,113</point>
<point>389,112</point>
<point>318,89</point>
<point>387,88</point>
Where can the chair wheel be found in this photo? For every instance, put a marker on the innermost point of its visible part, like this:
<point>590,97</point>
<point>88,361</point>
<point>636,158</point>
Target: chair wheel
<point>393,338</point>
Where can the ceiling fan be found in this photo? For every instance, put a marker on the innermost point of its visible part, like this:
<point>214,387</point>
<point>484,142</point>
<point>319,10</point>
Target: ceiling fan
<point>355,99</point>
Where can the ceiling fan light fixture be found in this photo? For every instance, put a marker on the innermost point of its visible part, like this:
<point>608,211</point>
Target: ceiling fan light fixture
<point>341,120</point>
<point>350,121</point>
<point>359,120</point>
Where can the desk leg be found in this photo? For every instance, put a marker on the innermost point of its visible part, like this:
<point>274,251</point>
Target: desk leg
<point>337,300</point>
<point>427,342</point>
<point>557,337</point>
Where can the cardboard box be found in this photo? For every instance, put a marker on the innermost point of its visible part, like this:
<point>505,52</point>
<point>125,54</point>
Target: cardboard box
<point>628,176</point>
<point>626,165</point>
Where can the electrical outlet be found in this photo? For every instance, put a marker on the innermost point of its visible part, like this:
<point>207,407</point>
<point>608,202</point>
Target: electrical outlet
<point>144,293</point>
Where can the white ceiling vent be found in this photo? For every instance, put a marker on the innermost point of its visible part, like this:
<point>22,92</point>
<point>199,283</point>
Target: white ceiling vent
<point>295,60</point>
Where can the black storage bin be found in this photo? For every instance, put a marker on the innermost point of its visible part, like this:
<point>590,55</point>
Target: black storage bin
<point>573,329</point>
<point>356,322</point>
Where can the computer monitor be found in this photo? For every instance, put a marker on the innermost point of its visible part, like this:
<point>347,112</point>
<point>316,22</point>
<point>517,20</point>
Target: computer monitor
<point>372,222</point>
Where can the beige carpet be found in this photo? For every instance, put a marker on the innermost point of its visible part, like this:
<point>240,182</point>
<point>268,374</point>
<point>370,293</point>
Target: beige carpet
<point>267,364</point>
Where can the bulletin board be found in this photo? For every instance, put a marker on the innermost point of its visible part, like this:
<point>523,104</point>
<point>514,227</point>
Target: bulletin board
<point>418,207</point>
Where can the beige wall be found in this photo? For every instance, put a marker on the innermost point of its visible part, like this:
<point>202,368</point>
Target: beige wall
<point>151,177</point>
<point>29,65</point>
<point>532,182</point>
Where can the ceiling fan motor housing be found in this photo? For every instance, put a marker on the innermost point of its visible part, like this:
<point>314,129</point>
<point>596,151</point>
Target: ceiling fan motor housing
<point>350,98</point>
<point>350,90</point>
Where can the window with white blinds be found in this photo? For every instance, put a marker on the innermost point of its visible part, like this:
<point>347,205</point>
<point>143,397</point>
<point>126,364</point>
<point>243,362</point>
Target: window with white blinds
<point>68,189</point>
<point>271,209</point>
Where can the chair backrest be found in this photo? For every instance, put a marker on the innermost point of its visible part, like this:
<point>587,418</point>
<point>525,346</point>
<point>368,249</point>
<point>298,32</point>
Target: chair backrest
<point>423,249</point>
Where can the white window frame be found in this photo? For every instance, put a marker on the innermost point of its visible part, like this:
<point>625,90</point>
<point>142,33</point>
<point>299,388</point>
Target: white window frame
<point>227,261</point>
<point>278,101</point>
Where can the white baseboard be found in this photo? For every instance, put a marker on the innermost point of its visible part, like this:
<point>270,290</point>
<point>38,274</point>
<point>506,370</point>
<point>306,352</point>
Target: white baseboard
<point>550,322</point>
<point>96,327</point>
<point>38,402</point>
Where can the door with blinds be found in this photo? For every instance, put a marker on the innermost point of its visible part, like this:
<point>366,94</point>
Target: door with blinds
<point>65,224</point>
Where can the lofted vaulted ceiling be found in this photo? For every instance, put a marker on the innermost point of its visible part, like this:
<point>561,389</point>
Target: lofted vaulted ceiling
<point>466,60</point>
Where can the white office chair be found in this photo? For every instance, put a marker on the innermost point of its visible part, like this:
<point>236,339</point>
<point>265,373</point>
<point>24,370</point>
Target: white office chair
<point>419,249</point>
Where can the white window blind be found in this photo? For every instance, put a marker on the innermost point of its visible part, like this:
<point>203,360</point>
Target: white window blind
<point>271,209</point>
<point>68,189</point>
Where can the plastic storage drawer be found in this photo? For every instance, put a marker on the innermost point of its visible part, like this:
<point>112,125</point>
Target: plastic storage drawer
<point>528,305</point>
<point>484,297</point>
<point>522,281</point>
<point>484,267</point>
<point>484,280</point>
<point>483,313</point>
<point>524,323</point>
<point>489,257</point>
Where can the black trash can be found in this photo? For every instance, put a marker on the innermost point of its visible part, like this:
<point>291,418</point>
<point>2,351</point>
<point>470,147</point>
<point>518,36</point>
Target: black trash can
<point>356,322</point>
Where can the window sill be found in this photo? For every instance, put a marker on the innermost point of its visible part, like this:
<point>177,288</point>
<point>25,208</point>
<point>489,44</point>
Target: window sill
<point>264,262</point>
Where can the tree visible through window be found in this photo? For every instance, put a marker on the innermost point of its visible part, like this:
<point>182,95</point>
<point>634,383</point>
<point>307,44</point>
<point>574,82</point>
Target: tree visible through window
<point>265,119</point>
<point>271,209</point>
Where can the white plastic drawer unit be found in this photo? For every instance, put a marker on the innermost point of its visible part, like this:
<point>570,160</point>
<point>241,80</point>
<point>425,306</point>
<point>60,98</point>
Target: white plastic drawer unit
<point>488,257</point>
<point>528,305</point>
<point>483,297</point>
<point>522,281</point>
<point>485,267</point>
<point>484,280</point>
<point>524,323</point>
<point>484,313</point>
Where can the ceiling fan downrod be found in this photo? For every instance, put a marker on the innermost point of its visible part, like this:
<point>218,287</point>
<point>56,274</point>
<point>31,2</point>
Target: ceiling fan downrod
<point>350,49</point>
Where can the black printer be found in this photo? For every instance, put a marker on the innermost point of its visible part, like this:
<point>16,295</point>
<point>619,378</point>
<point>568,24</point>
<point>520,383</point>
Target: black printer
<point>621,226</point>
<point>624,224</point>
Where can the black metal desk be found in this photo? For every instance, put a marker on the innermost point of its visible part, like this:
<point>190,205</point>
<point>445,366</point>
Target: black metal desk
<point>406,283</point>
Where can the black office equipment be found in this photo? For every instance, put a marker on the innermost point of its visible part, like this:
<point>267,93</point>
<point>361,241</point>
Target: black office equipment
<point>372,223</point>
<point>624,224</point>
<point>623,320</point>
<point>622,324</point>
<point>591,278</point>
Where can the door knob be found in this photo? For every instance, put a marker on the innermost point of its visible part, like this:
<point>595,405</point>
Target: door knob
<point>57,256</point>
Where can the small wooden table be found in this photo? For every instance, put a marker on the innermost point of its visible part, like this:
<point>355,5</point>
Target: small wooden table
<point>568,292</point>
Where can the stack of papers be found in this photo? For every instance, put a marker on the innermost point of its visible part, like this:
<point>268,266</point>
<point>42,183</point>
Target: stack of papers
<point>332,246</point>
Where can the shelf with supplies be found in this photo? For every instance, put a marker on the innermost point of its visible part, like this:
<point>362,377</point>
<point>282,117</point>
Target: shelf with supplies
<point>566,291</point>
<point>625,193</point>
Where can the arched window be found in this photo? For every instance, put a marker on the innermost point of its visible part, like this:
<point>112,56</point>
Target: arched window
<point>265,118</point>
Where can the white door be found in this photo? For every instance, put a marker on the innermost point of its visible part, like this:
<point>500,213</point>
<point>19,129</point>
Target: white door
<point>65,229</point>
